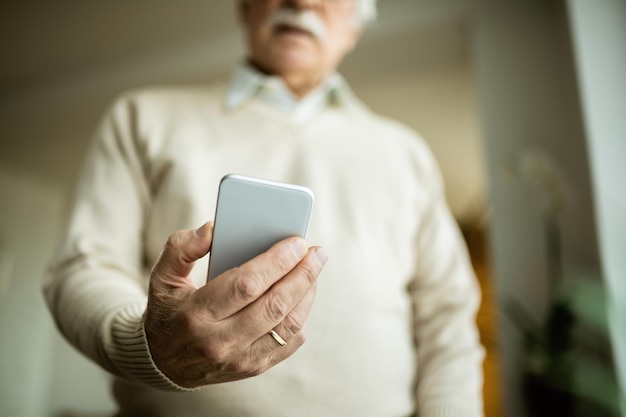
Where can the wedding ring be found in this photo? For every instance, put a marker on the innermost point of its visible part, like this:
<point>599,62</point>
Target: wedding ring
<point>277,338</point>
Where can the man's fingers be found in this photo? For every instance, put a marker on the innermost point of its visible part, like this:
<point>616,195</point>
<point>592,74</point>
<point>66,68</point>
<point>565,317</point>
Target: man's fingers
<point>276,305</point>
<point>264,352</point>
<point>292,330</point>
<point>236,288</point>
<point>179,254</point>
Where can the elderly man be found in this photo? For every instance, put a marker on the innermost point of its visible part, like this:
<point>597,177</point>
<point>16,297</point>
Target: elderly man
<point>392,329</point>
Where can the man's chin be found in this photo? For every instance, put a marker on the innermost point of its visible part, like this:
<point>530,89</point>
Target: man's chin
<point>296,59</point>
<point>291,40</point>
<point>296,70</point>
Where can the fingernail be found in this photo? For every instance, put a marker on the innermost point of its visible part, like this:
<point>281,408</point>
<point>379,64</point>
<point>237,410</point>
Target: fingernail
<point>300,247</point>
<point>322,255</point>
<point>201,231</point>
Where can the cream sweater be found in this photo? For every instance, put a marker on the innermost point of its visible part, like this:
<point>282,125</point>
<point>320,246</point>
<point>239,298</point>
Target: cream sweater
<point>392,331</point>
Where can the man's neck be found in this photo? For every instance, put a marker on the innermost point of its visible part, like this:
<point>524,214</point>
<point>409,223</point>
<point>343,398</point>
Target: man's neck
<point>298,83</point>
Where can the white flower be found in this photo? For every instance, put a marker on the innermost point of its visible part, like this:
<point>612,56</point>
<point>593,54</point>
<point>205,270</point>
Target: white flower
<point>536,168</point>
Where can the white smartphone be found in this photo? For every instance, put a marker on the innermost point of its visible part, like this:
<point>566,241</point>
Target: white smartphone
<point>252,214</point>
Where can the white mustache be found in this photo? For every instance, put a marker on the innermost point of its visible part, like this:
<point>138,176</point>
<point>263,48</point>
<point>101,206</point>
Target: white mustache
<point>306,20</point>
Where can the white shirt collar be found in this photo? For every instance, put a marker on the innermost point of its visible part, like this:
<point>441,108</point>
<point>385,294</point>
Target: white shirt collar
<point>247,84</point>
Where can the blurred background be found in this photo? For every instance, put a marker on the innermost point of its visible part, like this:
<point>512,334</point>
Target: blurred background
<point>522,101</point>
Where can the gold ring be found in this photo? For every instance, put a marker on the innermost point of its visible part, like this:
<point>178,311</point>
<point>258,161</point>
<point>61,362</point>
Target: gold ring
<point>277,338</point>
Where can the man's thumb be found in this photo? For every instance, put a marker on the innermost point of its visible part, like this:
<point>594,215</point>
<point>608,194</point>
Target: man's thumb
<point>182,249</point>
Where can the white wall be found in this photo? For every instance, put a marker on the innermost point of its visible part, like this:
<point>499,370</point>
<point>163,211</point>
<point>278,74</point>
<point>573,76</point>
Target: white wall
<point>599,35</point>
<point>25,240</point>
<point>40,374</point>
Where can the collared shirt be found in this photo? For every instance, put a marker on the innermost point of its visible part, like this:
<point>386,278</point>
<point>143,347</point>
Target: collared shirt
<point>247,83</point>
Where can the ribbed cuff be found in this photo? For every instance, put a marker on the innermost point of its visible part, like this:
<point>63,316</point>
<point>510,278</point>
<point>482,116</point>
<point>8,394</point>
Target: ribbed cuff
<point>131,354</point>
<point>442,408</point>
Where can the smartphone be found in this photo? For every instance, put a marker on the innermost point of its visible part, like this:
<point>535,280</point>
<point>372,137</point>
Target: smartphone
<point>252,214</point>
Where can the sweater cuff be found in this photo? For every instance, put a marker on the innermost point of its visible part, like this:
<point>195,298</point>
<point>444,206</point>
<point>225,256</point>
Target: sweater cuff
<point>130,352</point>
<point>447,409</point>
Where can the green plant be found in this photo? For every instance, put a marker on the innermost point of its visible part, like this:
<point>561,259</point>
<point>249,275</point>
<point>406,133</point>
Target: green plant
<point>567,364</point>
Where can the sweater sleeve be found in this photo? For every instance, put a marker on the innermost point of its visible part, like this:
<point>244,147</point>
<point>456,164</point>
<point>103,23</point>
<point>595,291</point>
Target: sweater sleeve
<point>96,285</point>
<point>445,298</point>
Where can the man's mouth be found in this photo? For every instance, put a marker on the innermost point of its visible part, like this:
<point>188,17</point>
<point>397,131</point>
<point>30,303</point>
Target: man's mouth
<point>292,30</point>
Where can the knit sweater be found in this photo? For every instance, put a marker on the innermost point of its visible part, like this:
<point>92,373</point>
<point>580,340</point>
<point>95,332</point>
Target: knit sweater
<point>392,331</point>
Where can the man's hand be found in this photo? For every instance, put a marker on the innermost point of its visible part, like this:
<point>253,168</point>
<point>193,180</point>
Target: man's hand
<point>219,333</point>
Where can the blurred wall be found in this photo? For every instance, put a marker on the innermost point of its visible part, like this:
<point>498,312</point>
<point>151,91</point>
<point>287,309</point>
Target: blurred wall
<point>26,334</point>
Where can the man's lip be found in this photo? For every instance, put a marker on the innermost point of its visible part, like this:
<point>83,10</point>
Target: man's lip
<point>295,30</point>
